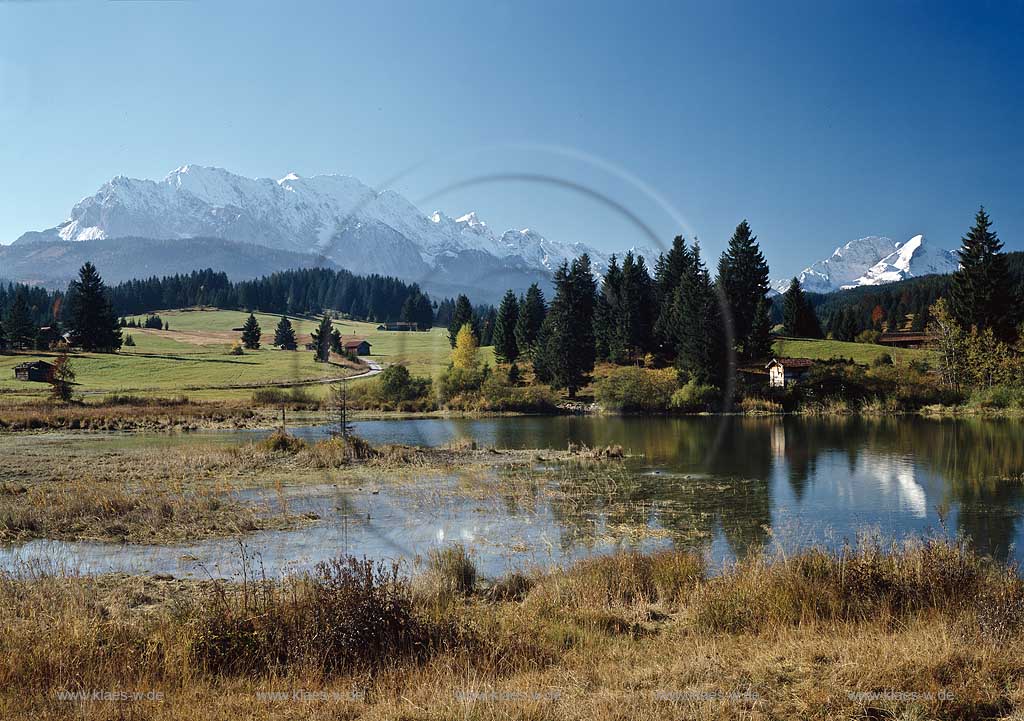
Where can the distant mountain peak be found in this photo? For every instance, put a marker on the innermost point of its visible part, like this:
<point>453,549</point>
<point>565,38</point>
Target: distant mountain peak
<point>873,260</point>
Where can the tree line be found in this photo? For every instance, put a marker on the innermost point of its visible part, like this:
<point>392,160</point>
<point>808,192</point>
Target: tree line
<point>24,309</point>
<point>679,314</point>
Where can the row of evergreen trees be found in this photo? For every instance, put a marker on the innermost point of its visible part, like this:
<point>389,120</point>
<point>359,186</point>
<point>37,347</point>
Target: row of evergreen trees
<point>680,314</point>
<point>23,309</point>
<point>306,291</point>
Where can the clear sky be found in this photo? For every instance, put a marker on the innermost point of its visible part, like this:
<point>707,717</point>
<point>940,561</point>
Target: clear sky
<point>820,122</point>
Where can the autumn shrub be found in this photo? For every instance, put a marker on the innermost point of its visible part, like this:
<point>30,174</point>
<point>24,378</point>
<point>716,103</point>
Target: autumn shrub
<point>636,390</point>
<point>694,397</point>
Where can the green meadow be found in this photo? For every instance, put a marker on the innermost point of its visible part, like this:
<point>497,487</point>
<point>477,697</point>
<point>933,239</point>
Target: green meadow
<point>859,352</point>
<point>192,357</point>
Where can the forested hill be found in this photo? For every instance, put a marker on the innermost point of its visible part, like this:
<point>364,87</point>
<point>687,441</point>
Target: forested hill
<point>303,291</point>
<point>894,301</point>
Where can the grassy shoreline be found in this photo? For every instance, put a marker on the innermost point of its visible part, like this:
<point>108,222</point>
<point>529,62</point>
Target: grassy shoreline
<point>924,630</point>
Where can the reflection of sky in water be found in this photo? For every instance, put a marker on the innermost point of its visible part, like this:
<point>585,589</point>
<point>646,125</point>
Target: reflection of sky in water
<point>784,483</point>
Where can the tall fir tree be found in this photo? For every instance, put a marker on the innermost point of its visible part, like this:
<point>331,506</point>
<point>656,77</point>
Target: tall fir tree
<point>251,333</point>
<point>3,337</point>
<point>669,269</point>
<point>93,323</point>
<point>636,306</point>
<point>321,339</point>
<point>284,334</point>
<point>532,311</point>
<point>981,295</point>
<point>798,317</point>
<point>461,315</point>
<point>567,357</point>
<point>506,350</point>
<point>609,342</point>
<point>743,277</point>
<point>20,328</point>
<point>486,319</point>
<point>697,332</point>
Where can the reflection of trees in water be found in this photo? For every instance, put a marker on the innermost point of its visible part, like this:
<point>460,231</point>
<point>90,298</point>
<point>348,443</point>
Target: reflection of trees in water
<point>977,460</point>
<point>970,457</point>
<point>597,505</point>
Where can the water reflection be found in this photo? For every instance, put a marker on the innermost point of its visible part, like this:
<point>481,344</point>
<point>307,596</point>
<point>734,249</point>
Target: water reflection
<point>725,486</point>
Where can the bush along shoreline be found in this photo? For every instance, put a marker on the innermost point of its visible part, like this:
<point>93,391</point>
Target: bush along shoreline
<point>925,629</point>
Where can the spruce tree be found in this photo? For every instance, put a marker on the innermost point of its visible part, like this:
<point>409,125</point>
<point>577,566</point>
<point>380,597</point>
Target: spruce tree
<point>532,311</point>
<point>981,296</point>
<point>93,324</point>
<point>610,343</point>
<point>486,320</point>
<point>251,333</point>
<point>321,339</point>
<point>699,340</point>
<point>798,317</point>
<point>636,307</point>
<point>670,268</point>
<point>284,334</point>
<point>506,349</point>
<point>568,354</point>
<point>462,314</point>
<point>3,337</point>
<point>20,328</point>
<point>743,277</point>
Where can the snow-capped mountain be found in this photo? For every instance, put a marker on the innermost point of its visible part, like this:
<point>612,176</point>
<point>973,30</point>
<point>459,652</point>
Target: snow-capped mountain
<point>873,260</point>
<point>334,217</point>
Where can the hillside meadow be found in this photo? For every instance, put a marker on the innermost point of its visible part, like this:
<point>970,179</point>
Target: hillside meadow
<point>192,357</point>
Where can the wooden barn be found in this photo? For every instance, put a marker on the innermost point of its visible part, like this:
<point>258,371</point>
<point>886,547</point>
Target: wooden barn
<point>400,326</point>
<point>39,371</point>
<point>359,346</point>
<point>783,372</point>
<point>905,339</point>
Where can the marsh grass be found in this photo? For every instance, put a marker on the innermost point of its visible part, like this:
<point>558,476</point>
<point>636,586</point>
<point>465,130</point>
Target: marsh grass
<point>858,584</point>
<point>129,412</point>
<point>600,640</point>
<point>149,513</point>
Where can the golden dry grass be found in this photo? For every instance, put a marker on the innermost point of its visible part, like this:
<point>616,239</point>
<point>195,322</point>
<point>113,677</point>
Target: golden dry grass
<point>935,635</point>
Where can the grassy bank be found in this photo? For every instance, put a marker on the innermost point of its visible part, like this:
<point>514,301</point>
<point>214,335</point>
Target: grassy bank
<point>928,630</point>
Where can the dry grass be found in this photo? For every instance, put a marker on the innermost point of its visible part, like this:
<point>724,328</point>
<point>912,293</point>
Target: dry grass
<point>120,412</point>
<point>616,638</point>
<point>151,513</point>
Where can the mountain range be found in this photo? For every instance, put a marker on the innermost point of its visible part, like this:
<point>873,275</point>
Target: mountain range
<point>334,219</point>
<point>873,260</point>
<point>199,217</point>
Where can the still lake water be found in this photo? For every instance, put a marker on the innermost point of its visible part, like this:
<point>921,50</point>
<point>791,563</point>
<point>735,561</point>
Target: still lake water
<point>722,485</point>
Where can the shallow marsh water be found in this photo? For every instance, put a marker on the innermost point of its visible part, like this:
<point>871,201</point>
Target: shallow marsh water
<point>722,485</point>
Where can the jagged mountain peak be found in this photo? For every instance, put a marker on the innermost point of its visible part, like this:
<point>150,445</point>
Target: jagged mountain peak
<point>336,217</point>
<point>873,260</point>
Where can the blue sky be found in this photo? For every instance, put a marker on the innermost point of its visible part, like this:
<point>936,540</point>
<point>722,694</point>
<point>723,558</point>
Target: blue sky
<point>819,122</point>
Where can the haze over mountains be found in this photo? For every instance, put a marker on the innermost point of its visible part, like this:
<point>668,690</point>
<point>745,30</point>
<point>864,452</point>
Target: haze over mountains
<point>200,217</point>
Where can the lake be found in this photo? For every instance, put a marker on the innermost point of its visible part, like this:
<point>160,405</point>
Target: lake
<point>721,485</point>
